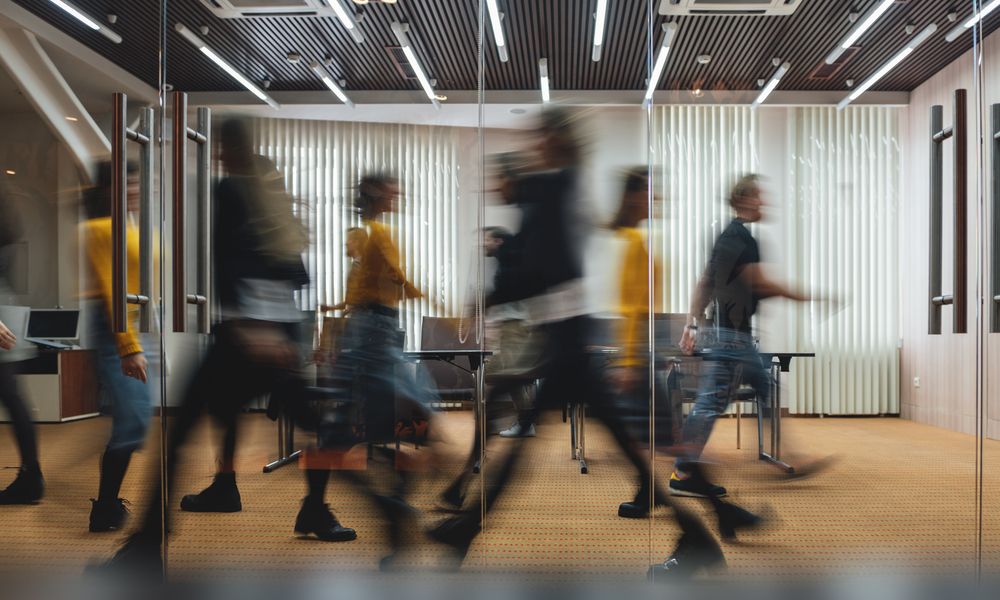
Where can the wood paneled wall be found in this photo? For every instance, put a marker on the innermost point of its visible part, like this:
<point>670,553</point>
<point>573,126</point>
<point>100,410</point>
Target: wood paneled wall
<point>946,364</point>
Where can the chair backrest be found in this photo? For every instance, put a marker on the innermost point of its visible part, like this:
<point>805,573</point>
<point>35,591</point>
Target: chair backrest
<point>442,333</point>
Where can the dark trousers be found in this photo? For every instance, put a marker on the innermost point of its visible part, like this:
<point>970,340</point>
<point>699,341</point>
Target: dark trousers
<point>20,418</point>
<point>226,380</point>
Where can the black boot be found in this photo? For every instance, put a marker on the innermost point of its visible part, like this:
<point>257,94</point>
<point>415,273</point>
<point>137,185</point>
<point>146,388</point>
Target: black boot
<point>27,488</point>
<point>693,554</point>
<point>107,515</point>
<point>138,559</point>
<point>732,517</point>
<point>221,497</point>
<point>639,507</point>
<point>457,532</point>
<point>315,518</point>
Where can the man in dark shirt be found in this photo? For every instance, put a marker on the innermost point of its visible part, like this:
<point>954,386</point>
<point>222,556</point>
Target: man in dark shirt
<point>733,280</point>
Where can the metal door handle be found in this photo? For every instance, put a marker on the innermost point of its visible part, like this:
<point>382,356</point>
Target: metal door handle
<point>202,137</point>
<point>120,136</point>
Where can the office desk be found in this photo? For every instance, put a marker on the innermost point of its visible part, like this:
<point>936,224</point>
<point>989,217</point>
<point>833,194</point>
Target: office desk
<point>477,358</point>
<point>287,453</point>
<point>60,385</point>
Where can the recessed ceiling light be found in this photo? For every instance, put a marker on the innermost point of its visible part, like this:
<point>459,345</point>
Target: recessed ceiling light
<point>72,119</point>
<point>704,59</point>
<point>441,97</point>
<point>10,172</point>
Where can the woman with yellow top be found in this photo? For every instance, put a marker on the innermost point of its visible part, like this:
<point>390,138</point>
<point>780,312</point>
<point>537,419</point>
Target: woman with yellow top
<point>122,365</point>
<point>372,351</point>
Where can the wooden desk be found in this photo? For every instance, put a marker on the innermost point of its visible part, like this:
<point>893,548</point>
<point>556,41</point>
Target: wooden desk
<point>60,385</point>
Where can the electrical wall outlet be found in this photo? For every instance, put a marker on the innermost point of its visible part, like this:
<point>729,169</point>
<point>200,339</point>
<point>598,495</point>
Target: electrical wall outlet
<point>916,382</point>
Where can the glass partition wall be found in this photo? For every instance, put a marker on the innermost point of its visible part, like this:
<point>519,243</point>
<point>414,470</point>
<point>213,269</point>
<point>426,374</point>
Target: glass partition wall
<point>565,289</point>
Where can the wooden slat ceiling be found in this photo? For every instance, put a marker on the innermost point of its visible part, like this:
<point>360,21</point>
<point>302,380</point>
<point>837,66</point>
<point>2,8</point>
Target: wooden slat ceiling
<point>444,33</point>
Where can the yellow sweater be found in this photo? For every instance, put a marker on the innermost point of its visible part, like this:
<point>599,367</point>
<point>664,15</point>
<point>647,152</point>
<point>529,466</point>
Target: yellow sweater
<point>634,296</point>
<point>381,279</point>
<point>96,237</point>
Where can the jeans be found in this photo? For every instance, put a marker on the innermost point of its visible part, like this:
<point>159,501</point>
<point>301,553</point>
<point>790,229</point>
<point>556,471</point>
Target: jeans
<point>732,360</point>
<point>130,398</point>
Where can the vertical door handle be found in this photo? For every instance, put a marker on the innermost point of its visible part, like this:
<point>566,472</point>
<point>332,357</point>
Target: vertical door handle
<point>182,133</point>
<point>120,135</point>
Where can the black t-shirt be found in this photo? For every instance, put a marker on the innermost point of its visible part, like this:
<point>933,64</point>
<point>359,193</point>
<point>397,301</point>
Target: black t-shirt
<point>733,251</point>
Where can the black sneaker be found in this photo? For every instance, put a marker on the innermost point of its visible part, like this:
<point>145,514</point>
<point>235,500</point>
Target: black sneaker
<point>316,519</point>
<point>695,487</point>
<point>107,515</point>
<point>27,488</point>
<point>691,556</point>
<point>221,497</point>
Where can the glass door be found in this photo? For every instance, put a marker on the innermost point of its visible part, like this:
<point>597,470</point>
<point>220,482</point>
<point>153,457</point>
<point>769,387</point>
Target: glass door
<point>81,198</point>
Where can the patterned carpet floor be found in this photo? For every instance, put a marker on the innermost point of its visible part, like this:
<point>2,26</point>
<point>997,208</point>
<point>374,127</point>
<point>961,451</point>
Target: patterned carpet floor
<point>901,497</point>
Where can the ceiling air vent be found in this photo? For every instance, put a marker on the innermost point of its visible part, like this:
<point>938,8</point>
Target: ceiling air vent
<point>760,8</point>
<point>244,9</point>
<point>827,71</point>
<point>399,59</point>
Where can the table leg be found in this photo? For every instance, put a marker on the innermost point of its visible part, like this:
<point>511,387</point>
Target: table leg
<point>774,457</point>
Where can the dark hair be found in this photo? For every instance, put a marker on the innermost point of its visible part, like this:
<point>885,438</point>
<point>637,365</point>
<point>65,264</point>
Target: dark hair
<point>97,199</point>
<point>370,189</point>
<point>636,180</point>
<point>236,142</point>
<point>557,123</point>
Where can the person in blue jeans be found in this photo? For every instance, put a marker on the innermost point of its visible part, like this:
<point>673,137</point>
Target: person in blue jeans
<point>122,366</point>
<point>735,282</point>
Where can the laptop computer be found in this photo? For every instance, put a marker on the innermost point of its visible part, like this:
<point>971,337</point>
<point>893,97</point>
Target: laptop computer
<point>54,327</point>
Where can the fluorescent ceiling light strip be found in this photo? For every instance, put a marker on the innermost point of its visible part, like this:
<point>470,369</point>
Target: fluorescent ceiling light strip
<point>669,29</point>
<point>543,73</point>
<point>971,21</point>
<point>328,82</point>
<point>773,83</point>
<point>225,66</point>
<point>79,15</point>
<point>495,22</point>
<point>400,31</point>
<point>600,21</point>
<point>859,30</point>
<point>866,24</point>
<point>347,19</point>
<point>889,66</point>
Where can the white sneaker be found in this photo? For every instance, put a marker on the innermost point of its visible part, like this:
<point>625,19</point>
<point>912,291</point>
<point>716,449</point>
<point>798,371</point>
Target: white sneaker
<point>516,431</point>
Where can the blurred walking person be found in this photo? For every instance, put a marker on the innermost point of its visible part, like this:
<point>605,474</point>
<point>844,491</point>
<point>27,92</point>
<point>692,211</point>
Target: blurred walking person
<point>28,486</point>
<point>258,245</point>
<point>122,367</point>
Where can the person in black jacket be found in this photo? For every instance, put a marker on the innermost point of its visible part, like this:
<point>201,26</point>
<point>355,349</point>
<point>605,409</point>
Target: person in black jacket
<point>29,486</point>
<point>548,281</point>
<point>257,265</point>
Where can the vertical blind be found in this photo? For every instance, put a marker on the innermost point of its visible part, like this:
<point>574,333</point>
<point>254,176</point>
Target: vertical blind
<point>322,162</point>
<point>698,153</point>
<point>846,170</point>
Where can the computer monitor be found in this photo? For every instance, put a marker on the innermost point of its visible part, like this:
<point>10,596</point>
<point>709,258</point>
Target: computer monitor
<point>54,324</point>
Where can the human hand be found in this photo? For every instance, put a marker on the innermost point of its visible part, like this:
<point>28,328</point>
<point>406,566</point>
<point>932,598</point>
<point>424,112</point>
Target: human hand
<point>688,340</point>
<point>134,365</point>
<point>7,337</point>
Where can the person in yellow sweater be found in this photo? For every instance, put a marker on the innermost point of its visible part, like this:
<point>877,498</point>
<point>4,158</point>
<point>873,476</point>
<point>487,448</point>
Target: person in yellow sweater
<point>122,364</point>
<point>370,355</point>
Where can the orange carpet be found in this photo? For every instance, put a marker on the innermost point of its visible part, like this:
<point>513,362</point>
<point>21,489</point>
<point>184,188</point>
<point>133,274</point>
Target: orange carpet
<point>900,498</point>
